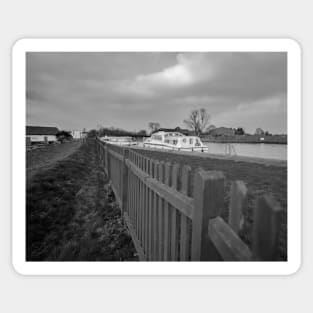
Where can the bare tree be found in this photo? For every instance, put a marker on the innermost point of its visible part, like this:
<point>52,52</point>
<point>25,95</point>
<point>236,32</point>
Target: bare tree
<point>197,120</point>
<point>259,131</point>
<point>153,126</point>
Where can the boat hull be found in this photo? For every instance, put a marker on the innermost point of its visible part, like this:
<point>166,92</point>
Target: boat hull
<point>169,147</point>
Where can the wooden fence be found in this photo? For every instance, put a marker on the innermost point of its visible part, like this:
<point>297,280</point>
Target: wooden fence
<point>166,223</point>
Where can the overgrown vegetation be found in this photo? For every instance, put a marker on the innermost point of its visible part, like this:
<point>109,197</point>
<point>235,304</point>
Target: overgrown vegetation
<point>70,216</point>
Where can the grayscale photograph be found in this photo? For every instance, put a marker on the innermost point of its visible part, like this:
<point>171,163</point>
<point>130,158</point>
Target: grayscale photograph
<point>156,156</point>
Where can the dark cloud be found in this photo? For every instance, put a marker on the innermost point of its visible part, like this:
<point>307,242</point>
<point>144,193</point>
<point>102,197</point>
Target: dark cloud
<point>77,90</point>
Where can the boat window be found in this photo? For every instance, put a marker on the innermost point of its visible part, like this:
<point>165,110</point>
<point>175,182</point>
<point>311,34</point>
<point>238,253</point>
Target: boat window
<point>157,137</point>
<point>191,141</point>
<point>175,141</point>
<point>184,140</point>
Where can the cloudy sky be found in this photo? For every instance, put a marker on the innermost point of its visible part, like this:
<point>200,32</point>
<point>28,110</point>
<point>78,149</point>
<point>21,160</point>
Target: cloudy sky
<point>128,90</point>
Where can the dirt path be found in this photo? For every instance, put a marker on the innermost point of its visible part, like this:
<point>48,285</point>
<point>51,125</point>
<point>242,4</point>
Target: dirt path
<point>43,158</point>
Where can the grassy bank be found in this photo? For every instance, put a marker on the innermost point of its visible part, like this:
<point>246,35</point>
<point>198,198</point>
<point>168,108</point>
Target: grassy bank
<point>259,178</point>
<point>71,214</point>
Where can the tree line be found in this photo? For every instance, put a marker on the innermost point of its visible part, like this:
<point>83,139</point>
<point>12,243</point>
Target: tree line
<point>113,131</point>
<point>198,122</point>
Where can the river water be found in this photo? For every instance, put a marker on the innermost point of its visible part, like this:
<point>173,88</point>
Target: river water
<point>258,150</point>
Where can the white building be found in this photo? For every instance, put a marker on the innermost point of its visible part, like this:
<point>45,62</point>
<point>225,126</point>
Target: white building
<point>76,134</point>
<point>36,134</point>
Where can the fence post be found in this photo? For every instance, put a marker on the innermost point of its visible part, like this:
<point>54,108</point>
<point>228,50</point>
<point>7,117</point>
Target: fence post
<point>209,199</point>
<point>167,182</point>
<point>184,232</point>
<point>238,195</point>
<point>267,219</point>
<point>108,163</point>
<point>124,181</point>
<point>174,216</point>
<point>100,151</point>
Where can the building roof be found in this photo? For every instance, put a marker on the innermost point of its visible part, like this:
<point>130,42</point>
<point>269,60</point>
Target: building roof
<point>41,130</point>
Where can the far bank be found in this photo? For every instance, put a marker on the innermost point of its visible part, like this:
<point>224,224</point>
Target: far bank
<point>271,139</point>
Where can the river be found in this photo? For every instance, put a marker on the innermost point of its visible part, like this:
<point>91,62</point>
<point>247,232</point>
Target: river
<point>259,150</point>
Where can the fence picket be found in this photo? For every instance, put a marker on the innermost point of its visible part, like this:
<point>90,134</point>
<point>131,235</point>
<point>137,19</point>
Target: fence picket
<point>155,215</point>
<point>131,187</point>
<point>267,218</point>
<point>238,195</point>
<point>134,200</point>
<point>150,213</point>
<point>137,198</point>
<point>109,162</point>
<point>137,181</point>
<point>130,194</point>
<point>184,231</point>
<point>209,198</point>
<point>141,202</point>
<point>174,242</point>
<point>160,215</point>
<point>167,181</point>
<point>145,209</point>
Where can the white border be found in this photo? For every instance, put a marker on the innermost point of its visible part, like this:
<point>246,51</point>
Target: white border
<point>156,268</point>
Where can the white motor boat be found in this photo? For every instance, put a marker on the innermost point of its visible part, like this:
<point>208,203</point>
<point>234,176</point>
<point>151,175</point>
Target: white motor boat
<point>120,141</point>
<point>175,141</point>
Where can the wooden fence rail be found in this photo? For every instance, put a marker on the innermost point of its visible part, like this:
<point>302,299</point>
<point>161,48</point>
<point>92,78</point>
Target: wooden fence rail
<point>166,223</point>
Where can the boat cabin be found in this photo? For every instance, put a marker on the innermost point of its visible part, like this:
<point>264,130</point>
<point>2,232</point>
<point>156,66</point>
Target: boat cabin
<point>176,141</point>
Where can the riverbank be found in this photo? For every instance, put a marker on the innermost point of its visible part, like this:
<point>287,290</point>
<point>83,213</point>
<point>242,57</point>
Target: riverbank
<point>273,139</point>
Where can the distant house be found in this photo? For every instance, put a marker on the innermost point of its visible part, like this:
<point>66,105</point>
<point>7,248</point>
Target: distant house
<point>222,131</point>
<point>77,134</point>
<point>37,134</point>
